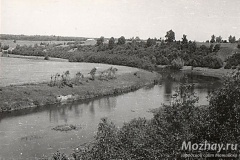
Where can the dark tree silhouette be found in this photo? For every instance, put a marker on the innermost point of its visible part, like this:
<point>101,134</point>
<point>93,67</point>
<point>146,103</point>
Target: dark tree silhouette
<point>121,40</point>
<point>170,36</point>
<point>212,39</point>
<point>100,41</point>
<point>111,43</point>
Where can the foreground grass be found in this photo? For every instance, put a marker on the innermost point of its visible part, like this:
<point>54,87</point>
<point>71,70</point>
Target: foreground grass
<point>35,95</point>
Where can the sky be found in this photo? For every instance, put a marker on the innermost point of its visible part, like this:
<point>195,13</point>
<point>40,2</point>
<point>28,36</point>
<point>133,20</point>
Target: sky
<point>198,19</point>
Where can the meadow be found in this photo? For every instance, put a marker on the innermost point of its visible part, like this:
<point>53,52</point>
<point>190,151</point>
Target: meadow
<point>28,43</point>
<point>14,71</point>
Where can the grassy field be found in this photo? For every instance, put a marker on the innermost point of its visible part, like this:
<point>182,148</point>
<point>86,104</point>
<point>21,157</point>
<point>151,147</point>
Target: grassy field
<point>226,50</point>
<point>35,95</point>
<point>14,71</point>
<point>28,43</point>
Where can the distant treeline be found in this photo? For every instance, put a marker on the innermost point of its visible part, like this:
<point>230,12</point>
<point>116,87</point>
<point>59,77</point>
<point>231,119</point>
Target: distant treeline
<point>135,53</point>
<point>40,38</point>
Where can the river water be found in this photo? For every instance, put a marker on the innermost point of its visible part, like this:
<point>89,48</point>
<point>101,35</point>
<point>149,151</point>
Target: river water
<point>28,134</point>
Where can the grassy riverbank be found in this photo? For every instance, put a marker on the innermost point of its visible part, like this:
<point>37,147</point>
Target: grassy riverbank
<point>218,73</point>
<point>35,95</point>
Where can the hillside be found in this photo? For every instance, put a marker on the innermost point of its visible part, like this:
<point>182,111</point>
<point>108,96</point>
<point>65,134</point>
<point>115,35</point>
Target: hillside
<point>226,50</point>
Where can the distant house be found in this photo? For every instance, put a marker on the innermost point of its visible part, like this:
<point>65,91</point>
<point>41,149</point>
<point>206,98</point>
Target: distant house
<point>91,42</point>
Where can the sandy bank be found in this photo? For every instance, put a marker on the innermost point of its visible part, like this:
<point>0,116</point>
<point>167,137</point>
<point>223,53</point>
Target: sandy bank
<point>36,95</point>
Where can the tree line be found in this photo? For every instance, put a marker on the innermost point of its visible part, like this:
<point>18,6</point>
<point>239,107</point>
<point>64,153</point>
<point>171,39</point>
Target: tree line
<point>40,38</point>
<point>134,52</point>
<point>215,39</point>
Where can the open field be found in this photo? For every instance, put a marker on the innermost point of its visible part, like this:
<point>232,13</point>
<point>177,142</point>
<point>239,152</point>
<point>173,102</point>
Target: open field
<point>35,57</point>
<point>28,43</point>
<point>14,71</point>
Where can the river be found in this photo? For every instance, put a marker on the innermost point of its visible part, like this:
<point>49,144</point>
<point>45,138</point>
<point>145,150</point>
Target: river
<point>28,134</point>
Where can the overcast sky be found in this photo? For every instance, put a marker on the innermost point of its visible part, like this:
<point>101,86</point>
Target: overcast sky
<point>198,19</point>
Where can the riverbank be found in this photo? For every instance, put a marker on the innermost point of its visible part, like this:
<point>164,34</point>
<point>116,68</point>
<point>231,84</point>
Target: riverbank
<point>218,73</point>
<point>35,95</point>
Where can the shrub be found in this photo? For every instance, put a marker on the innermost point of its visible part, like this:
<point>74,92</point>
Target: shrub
<point>177,63</point>
<point>225,111</point>
<point>46,57</point>
<point>233,61</point>
<point>216,47</point>
<point>5,47</point>
<point>212,62</point>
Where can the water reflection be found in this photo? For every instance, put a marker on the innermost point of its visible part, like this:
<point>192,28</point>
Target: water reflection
<point>61,112</point>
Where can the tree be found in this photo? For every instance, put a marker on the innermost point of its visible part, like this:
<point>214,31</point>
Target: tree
<point>211,48</point>
<point>216,48</point>
<point>5,47</point>
<point>192,46</point>
<point>100,41</point>
<point>121,40</point>
<point>184,39</point>
<point>224,110</point>
<point>231,39</point>
<point>111,43</point>
<point>219,39</point>
<point>212,39</point>
<point>150,42</point>
<point>137,38</point>
<point>170,36</point>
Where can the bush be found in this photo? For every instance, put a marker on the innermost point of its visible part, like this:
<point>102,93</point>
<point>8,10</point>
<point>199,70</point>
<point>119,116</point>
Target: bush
<point>213,62</point>
<point>238,46</point>
<point>5,47</point>
<point>225,111</point>
<point>177,63</point>
<point>233,61</point>
<point>46,57</point>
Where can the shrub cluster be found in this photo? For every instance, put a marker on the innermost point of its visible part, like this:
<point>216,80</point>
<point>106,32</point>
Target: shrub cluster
<point>233,61</point>
<point>115,59</point>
